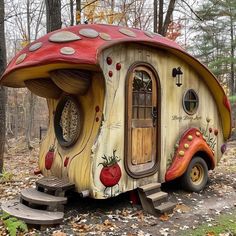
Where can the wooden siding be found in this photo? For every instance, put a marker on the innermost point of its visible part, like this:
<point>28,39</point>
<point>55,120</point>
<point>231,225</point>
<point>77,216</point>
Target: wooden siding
<point>108,134</point>
<point>174,120</point>
<point>78,169</point>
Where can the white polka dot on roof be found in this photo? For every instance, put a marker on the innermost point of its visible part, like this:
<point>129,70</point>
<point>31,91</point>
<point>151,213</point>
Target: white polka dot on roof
<point>63,36</point>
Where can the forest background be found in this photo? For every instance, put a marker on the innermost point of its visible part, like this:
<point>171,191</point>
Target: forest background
<point>205,28</point>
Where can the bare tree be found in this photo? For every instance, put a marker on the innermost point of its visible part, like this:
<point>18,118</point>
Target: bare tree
<point>78,12</point>
<point>161,15</point>
<point>71,12</point>
<point>168,17</point>
<point>53,14</point>
<point>155,14</point>
<point>232,49</point>
<point>27,19</point>
<point>164,19</point>
<point>2,90</point>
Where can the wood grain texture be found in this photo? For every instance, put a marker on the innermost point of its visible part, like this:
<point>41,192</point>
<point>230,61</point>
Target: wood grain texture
<point>30,215</point>
<point>99,138</point>
<point>137,146</point>
<point>78,169</point>
<point>170,106</point>
<point>142,145</point>
<point>43,87</point>
<point>148,144</point>
<point>33,196</point>
<point>71,81</point>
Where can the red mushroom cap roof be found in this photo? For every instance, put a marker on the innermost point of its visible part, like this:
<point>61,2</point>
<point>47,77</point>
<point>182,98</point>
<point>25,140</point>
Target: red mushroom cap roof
<point>78,48</point>
<point>81,44</point>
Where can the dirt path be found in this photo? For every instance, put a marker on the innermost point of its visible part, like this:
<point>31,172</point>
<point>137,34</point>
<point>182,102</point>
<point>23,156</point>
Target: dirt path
<point>118,217</point>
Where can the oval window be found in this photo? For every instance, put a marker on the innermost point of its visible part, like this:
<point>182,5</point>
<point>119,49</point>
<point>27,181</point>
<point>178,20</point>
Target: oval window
<point>67,121</point>
<point>190,102</point>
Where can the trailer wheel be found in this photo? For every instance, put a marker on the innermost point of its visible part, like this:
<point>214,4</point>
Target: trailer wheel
<point>196,175</point>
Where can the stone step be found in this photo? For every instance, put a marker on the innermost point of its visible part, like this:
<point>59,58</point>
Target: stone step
<point>165,207</point>
<point>32,216</point>
<point>157,196</point>
<point>31,195</point>
<point>150,186</point>
<point>55,184</point>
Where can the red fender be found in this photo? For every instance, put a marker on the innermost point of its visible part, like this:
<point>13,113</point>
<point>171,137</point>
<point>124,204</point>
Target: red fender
<point>190,143</point>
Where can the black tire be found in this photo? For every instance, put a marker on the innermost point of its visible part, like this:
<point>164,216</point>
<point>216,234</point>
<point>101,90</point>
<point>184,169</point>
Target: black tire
<point>196,176</point>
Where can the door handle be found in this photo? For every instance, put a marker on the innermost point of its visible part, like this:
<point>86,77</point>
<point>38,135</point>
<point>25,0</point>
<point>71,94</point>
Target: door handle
<point>154,115</point>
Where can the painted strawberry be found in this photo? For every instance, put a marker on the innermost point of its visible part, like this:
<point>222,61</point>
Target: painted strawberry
<point>111,173</point>
<point>49,158</point>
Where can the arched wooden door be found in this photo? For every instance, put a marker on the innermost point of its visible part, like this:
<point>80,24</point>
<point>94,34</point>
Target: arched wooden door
<point>141,118</point>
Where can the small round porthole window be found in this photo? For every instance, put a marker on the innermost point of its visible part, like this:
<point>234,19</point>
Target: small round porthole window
<point>67,121</point>
<point>190,102</point>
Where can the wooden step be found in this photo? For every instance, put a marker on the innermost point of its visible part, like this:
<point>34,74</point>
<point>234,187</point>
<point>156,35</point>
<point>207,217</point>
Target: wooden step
<point>165,207</point>
<point>157,196</point>
<point>153,200</point>
<point>150,186</point>
<point>32,216</point>
<point>31,195</point>
<point>55,184</point>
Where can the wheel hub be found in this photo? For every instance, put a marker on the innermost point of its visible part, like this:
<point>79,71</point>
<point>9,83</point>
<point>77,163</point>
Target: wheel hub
<point>197,174</point>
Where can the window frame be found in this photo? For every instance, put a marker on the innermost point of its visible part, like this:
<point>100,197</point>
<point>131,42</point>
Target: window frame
<point>57,118</point>
<point>189,100</point>
<point>141,108</point>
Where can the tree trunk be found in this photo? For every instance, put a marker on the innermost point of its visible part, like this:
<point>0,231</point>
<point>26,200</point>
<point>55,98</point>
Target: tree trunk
<point>168,17</point>
<point>162,26</point>
<point>53,14</point>
<point>71,12</point>
<point>155,16</point>
<point>160,17</point>
<point>28,21</point>
<point>30,118</point>
<point>16,113</point>
<point>232,50</point>
<point>31,98</point>
<point>2,90</point>
<point>78,12</point>
<point>112,11</point>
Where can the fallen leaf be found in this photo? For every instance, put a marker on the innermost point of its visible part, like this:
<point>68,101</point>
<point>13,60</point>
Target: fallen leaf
<point>164,231</point>
<point>108,223</point>
<point>182,208</point>
<point>81,227</point>
<point>129,234</point>
<point>134,226</point>
<point>124,213</point>
<point>164,217</point>
<point>139,214</point>
<point>210,234</point>
<point>58,233</point>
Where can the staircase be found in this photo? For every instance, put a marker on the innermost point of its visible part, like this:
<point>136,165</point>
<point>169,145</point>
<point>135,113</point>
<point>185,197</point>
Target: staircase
<point>43,205</point>
<point>153,200</point>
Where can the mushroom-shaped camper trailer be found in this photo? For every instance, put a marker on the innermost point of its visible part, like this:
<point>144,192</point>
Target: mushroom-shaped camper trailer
<point>127,108</point>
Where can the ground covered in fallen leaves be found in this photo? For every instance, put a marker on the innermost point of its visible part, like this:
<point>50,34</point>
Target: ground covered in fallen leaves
<point>118,216</point>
